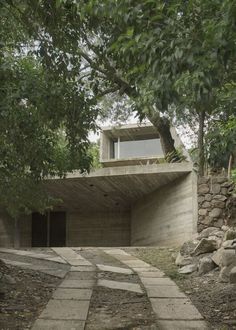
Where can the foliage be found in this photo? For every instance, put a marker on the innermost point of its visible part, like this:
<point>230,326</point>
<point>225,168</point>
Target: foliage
<point>221,142</point>
<point>37,105</point>
<point>95,155</point>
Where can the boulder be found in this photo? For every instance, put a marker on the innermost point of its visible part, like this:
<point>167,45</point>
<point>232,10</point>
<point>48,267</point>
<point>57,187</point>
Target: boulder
<point>203,179</point>
<point>206,204</point>
<point>228,244</point>
<point>205,246</point>
<point>206,232</point>
<point>182,260</point>
<point>225,228</point>
<point>232,276</point>
<point>188,247</point>
<point>228,257</point>
<point>217,256</point>
<point>225,273</point>
<point>205,265</point>
<point>230,234</point>
<point>188,269</point>
<point>224,191</point>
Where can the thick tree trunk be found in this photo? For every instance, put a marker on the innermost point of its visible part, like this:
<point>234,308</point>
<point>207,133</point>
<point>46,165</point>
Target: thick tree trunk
<point>201,155</point>
<point>162,125</point>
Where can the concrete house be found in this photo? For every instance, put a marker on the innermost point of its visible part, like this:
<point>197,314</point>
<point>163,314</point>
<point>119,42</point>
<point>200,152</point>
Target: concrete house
<point>135,199</point>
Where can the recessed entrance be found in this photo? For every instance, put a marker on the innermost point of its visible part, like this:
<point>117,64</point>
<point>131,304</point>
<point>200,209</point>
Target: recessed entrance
<point>49,229</point>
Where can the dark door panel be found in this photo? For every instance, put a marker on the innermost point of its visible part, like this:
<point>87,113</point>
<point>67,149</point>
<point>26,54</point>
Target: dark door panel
<point>39,230</point>
<point>57,232</point>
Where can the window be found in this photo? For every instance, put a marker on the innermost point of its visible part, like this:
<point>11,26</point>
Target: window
<point>136,148</point>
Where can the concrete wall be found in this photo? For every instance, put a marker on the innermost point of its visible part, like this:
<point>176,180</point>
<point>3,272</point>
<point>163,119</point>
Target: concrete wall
<point>105,229</point>
<point>166,217</point>
<point>6,230</point>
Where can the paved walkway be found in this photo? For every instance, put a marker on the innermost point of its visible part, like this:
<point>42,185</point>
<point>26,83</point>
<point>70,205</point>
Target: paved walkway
<point>69,306</point>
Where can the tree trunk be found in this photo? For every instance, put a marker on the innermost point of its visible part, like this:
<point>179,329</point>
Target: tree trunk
<point>162,124</point>
<point>201,156</point>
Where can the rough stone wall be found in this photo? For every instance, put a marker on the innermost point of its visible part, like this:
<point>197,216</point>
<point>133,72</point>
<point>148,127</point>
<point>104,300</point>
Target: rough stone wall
<point>216,202</point>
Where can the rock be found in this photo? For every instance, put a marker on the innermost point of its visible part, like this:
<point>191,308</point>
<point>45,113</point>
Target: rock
<point>227,184</point>
<point>206,205</point>
<point>225,228</point>
<point>215,213</point>
<point>220,197</point>
<point>188,247</point>
<point>203,179</point>
<point>208,197</point>
<point>205,265</point>
<point>217,256</point>
<point>228,258</point>
<point>206,232</point>
<point>215,189</point>
<point>230,234</point>
<point>228,243</point>
<point>205,246</point>
<point>203,189</point>
<point>225,273</point>
<point>232,276</point>
<point>200,199</point>
<point>224,191</point>
<point>217,239</point>
<point>202,212</point>
<point>217,203</point>
<point>188,269</point>
<point>218,222</point>
<point>221,179</point>
<point>182,260</point>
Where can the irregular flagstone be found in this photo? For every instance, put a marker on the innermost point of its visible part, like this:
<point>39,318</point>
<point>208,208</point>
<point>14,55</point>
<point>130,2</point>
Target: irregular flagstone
<point>147,281</point>
<point>66,310</point>
<point>73,258</point>
<point>182,325</point>
<point>113,269</point>
<point>120,285</point>
<point>42,324</point>
<point>175,309</point>
<point>77,284</point>
<point>72,294</point>
<point>164,291</point>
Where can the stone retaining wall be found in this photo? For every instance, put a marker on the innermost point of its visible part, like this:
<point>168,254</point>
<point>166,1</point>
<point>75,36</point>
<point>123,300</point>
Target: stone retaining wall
<point>216,202</point>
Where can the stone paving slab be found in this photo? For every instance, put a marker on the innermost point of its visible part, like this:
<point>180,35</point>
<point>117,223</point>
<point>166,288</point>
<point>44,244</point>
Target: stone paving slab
<point>72,294</point>
<point>147,281</point>
<point>70,256</point>
<point>175,309</point>
<point>16,263</point>
<point>145,269</point>
<point>80,284</point>
<point>135,263</point>
<point>116,252</point>
<point>82,269</point>
<point>113,269</point>
<point>182,325</point>
<point>127,286</point>
<point>42,324</point>
<point>164,291</point>
<point>153,274</point>
<point>66,310</point>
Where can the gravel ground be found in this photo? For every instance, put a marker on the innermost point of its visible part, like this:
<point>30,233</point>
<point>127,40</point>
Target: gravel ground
<point>23,295</point>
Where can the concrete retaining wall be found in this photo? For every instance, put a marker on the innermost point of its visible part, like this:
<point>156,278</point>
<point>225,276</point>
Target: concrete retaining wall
<point>167,216</point>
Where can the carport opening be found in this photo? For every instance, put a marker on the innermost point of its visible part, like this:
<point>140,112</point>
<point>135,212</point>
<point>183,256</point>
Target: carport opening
<point>49,229</point>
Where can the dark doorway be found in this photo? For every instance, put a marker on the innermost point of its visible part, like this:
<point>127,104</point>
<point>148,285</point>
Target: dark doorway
<point>39,229</point>
<point>49,229</point>
<point>57,236</point>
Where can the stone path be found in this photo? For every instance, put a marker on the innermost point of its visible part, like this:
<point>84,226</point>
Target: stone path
<point>174,311</point>
<point>69,306</point>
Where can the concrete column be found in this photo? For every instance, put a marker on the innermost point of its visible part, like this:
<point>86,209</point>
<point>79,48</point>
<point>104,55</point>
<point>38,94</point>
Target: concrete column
<point>118,148</point>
